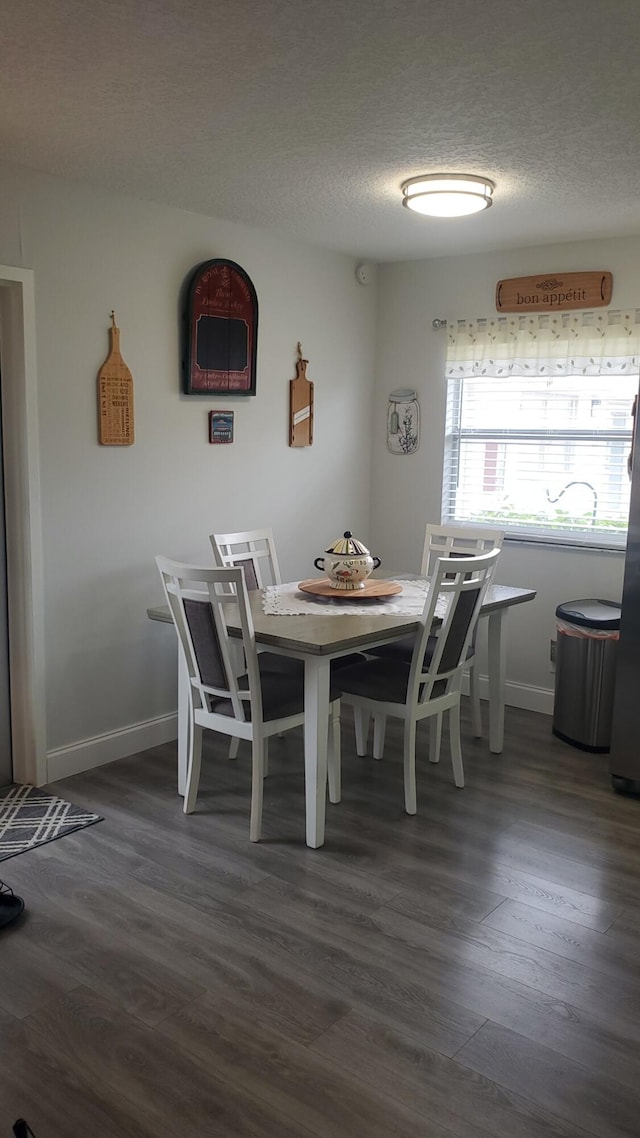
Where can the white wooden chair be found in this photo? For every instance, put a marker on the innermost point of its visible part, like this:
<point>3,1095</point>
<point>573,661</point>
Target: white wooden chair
<point>253,550</point>
<point>445,541</point>
<point>456,541</point>
<point>253,706</point>
<point>461,541</point>
<point>425,687</point>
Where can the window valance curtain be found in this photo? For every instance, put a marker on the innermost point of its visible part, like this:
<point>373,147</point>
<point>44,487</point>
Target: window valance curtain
<point>570,343</point>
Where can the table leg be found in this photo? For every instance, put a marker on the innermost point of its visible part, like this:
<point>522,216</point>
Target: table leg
<point>316,724</point>
<point>497,645</point>
<point>183,721</point>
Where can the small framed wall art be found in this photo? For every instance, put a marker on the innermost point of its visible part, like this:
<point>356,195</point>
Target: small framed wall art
<point>403,421</point>
<point>221,426</point>
<point>220,330</point>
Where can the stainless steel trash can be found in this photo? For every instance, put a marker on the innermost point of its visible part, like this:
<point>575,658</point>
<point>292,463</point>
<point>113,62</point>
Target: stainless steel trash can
<point>588,632</point>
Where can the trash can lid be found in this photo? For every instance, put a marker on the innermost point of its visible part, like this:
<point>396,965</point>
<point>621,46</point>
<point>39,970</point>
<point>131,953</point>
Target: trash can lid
<point>591,613</point>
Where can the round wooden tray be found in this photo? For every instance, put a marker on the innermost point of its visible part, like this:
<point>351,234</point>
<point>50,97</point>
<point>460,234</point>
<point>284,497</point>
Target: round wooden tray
<point>372,591</point>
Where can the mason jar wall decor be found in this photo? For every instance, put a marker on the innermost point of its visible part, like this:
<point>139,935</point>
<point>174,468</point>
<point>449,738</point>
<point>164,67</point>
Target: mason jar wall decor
<point>403,421</point>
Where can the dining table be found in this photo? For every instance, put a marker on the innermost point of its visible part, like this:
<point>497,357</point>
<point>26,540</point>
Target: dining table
<point>317,639</point>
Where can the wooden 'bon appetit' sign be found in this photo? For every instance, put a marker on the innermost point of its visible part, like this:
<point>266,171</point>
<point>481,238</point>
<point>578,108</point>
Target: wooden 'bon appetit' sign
<point>554,292</point>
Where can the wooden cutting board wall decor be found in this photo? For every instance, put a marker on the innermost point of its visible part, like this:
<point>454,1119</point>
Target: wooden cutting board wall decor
<point>300,406</point>
<point>115,396</point>
<point>554,292</point>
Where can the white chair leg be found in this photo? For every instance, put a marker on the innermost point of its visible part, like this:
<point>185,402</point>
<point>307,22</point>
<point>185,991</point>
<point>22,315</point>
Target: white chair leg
<point>257,780</point>
<point>334,756</point>
<point>474,694</point>
<point>265,758</point>
<point>379,729</point>
<point>435,738</point>
<point>410,800</point>
<point>239,666</point>
<point>456,745</point>
<point>361,723</point>
<point>193,769</point>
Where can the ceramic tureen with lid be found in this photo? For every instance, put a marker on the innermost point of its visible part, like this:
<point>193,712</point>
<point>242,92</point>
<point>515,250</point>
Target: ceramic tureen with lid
<point>347,563</point>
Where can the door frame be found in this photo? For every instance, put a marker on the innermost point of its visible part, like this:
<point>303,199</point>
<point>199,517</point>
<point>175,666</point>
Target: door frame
<point>25,598</point>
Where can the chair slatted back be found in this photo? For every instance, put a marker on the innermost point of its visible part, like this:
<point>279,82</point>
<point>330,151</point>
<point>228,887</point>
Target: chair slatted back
<point>252,550</point>
<point>461,582</point>
<point>456,541</point>
<point>199,600</point>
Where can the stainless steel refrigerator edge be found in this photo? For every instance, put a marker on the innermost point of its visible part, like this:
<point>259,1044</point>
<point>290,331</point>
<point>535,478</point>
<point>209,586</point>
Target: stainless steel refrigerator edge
<point>624,761</point>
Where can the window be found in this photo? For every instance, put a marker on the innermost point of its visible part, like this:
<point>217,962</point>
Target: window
<point>537,437</point>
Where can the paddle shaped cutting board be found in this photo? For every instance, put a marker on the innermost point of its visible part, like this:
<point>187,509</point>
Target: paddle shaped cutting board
<point>301,406</point>
<point>115,396</point>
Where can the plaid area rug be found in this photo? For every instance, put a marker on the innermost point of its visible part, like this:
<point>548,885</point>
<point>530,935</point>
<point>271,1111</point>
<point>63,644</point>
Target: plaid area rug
<point>29,818</point>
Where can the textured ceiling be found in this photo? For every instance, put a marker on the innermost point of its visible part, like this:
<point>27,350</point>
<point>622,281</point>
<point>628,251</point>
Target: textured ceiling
<point>304,116</point>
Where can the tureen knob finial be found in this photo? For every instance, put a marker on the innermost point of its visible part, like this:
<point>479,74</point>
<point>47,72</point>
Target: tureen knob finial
<point>347,533</point>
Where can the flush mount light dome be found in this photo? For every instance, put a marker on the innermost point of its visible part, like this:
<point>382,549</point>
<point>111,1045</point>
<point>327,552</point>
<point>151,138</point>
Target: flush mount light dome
<point>447,195</point>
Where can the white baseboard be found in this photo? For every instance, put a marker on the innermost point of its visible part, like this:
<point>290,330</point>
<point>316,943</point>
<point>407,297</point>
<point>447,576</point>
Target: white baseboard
<point>518,695</point>
<point>89,753</point>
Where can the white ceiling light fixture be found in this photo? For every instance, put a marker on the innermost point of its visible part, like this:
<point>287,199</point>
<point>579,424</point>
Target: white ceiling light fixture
<point>447,195</point>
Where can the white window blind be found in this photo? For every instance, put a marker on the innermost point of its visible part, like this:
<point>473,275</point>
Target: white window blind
<point>539,425</point>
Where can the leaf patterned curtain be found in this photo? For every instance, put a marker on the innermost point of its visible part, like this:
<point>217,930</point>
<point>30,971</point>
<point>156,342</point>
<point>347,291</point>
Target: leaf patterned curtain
<point>569,343</point>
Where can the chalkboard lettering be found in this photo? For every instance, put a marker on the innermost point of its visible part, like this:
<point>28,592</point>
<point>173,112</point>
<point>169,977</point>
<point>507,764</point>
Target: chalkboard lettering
<point>220,331</point>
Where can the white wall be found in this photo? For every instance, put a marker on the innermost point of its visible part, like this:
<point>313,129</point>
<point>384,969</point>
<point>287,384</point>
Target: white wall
<point>406,491</point>
<point>108,510</point>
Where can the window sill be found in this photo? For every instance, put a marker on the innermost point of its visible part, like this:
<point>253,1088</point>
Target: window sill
<point>563,543</point>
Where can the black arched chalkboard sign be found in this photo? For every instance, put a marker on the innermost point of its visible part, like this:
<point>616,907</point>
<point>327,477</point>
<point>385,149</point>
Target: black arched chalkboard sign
<point>220,331</point>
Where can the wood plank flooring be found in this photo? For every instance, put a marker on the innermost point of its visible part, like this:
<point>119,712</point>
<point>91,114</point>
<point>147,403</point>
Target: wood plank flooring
<point>471,972</point>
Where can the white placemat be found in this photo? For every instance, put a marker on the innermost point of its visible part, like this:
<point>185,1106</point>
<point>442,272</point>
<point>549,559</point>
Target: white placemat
<point>287,600</point>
